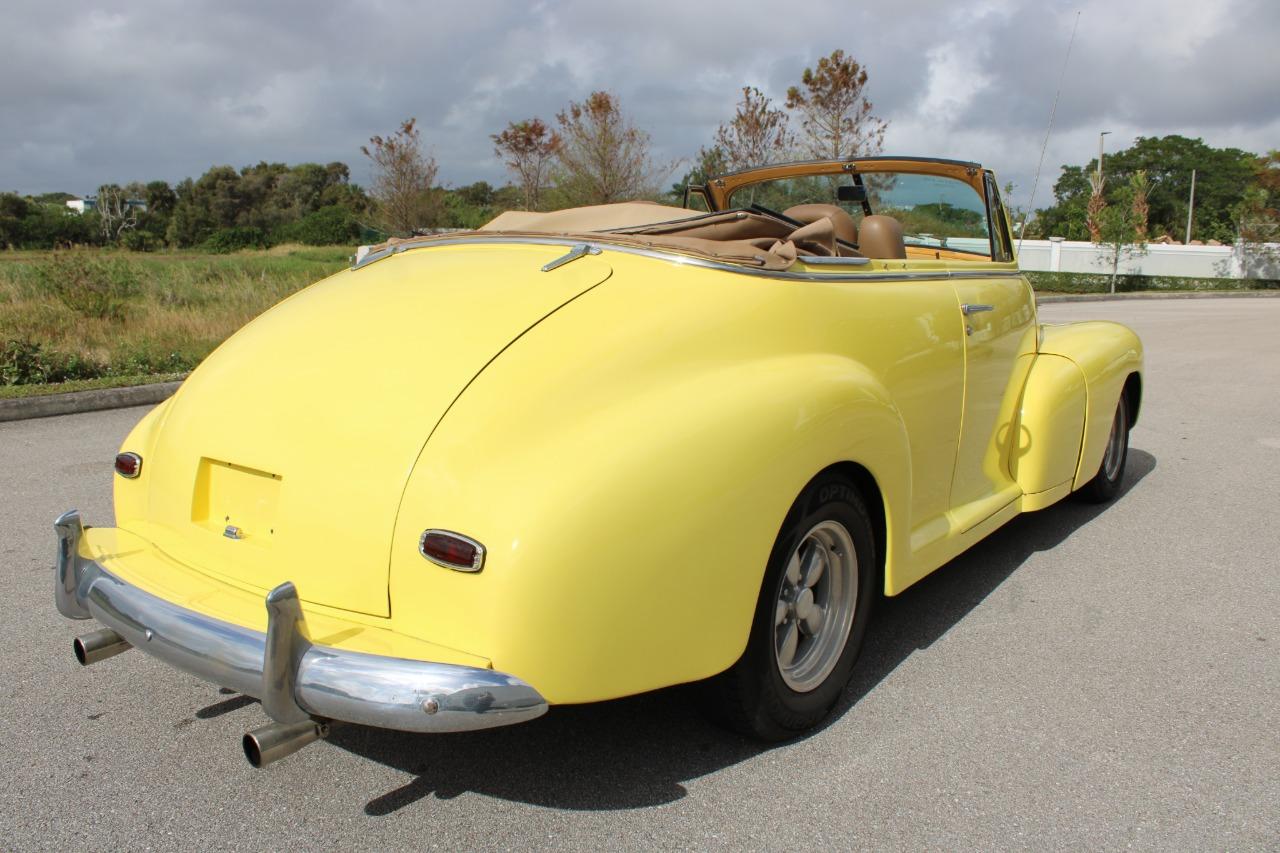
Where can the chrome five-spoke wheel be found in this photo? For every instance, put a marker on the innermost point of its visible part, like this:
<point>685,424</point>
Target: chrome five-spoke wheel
<point>1114,456</point>
<point>1106,483</point>
<point>810,617</point>
<point>816,600</point>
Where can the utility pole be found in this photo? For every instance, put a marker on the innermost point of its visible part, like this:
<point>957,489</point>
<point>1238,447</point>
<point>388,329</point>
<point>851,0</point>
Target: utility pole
<point>1100,136</point>
<point>1191,206</point>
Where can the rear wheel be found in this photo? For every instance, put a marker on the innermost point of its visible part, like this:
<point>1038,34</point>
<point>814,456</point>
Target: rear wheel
<point>1106,483</point>
<point>810,618</point>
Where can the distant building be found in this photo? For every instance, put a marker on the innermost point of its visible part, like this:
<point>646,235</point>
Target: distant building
<point>90,202</point>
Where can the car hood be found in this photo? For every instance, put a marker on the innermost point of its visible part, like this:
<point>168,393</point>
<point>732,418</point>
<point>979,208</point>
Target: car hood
<point>285,454</point>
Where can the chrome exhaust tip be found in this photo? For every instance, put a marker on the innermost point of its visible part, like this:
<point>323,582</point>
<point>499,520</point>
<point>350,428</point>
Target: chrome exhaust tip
<point>100,645</point>
<point>272,743</point>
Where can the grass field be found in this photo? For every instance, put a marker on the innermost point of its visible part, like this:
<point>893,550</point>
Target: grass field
<point>108,316</point>
<point>94,318</point>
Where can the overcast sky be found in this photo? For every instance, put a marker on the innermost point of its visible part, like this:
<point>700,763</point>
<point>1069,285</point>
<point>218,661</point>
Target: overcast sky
<point>98,92</point>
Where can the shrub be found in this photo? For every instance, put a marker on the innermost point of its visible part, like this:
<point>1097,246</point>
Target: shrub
<point>145,357</point>
<point>1068,282</point>
<point>234,239</point>
<point>140,241</point>
<point>88,284</point>
<point>24,362</point>
<point>328,226</point>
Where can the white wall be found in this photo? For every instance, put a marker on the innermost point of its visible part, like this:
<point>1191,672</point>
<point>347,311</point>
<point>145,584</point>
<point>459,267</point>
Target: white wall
<point>1238,261</point>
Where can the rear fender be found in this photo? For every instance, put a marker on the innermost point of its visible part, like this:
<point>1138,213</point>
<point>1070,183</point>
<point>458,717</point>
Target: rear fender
<point>628,537</point>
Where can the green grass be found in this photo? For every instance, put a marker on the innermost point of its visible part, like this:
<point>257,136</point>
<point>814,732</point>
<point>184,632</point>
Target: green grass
<point>91,314</point>
<point>95,318</point>
<point>14,392</point>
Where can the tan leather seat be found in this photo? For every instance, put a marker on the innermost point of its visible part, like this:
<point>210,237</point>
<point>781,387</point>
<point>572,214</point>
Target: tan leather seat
<point>843,223</point>
<point>881,237</point>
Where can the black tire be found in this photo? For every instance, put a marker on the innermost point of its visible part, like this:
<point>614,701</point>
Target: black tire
<point>1106,483</point>
<point>754,696</point>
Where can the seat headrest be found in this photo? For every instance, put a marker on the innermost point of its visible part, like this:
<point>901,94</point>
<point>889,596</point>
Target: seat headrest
<point>881,237</point>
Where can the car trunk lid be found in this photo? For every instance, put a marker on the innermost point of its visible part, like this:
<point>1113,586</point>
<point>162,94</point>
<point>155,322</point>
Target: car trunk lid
<point>286,453</point>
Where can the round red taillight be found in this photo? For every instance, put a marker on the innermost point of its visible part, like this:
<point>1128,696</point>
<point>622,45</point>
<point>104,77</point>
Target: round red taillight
<point>128,465</point>
<point>452,550</point>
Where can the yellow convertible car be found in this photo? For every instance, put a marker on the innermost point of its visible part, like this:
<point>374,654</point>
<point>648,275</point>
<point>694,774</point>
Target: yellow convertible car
<point>579,455</point>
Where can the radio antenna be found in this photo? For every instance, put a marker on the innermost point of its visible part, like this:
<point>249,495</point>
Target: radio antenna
<point>1053,113</point>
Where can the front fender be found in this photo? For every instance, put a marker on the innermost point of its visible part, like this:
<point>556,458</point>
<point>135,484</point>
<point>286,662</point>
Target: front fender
<point>628,529</point>
<point>1107,354</point>
<point>1050,430</point>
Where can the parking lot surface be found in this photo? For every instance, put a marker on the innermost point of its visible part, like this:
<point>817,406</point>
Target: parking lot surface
<point>1087,677</point>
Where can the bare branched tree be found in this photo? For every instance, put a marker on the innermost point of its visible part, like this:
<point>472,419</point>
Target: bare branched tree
<point>758,133</point>
<point>835,114</point>
<point>114,211</point>
<point>403,180</point>
<point>602,157</point>
<point>528,148</point>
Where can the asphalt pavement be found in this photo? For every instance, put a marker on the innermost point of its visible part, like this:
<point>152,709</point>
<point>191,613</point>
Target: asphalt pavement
<point>1088,677</point>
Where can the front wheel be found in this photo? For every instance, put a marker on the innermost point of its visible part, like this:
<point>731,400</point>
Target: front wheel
<point>1106,484</point>
<point>810,618</point>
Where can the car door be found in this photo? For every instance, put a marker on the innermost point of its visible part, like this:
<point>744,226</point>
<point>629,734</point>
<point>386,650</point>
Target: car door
<point>999,326</point>
<point>997,308</point>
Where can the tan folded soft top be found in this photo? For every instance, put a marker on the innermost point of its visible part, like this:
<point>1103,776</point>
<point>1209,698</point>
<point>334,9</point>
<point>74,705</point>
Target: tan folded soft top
<point>734,236</point>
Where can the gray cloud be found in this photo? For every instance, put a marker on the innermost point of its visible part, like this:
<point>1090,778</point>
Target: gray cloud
<point>151,89</point>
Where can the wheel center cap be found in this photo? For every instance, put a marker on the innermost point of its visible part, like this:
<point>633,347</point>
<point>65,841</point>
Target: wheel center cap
<point>804,604</point>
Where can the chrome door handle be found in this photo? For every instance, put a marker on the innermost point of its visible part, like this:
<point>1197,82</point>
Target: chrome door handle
<point>976,309</point>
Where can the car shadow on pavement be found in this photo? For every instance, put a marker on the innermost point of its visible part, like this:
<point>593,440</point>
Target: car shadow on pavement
<point>639,751</point>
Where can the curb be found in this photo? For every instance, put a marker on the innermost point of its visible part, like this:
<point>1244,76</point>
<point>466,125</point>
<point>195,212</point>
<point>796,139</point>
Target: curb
<point>74,402</point>
<point>1186,294</point>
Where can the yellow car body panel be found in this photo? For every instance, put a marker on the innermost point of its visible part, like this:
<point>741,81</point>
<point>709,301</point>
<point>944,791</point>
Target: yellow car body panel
<point>140,564</point>
<point>296,479</point>
<point>1046,452</point>
<point>1108,354</point>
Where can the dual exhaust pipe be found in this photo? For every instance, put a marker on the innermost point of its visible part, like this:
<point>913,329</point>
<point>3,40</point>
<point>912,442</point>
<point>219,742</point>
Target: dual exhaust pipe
<point>261,746</point>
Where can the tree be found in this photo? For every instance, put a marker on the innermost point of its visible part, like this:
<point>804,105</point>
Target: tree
<point>1122,227</point>
<point>403,180</point>
<point>1139,187</point>
<point>1258,213</point>
<point>602,157</point>
<point>528,148</point>
<point>1097,204</point>
<point>1222,176</point>
<point>117,214</point>
<point>758,134</point>
<point>835,114</point>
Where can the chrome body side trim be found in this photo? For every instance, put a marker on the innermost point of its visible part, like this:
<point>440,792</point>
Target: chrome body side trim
<point>579,250</point>
<point>694,261</point>
<point>289,674</point>
<point>824,261</point>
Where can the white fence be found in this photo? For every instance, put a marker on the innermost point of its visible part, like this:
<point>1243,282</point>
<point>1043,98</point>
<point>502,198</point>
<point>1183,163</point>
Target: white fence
<point>1243,260</point>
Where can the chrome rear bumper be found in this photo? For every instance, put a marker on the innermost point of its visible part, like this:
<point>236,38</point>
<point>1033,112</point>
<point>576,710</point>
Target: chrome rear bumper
<point>295,679</point>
